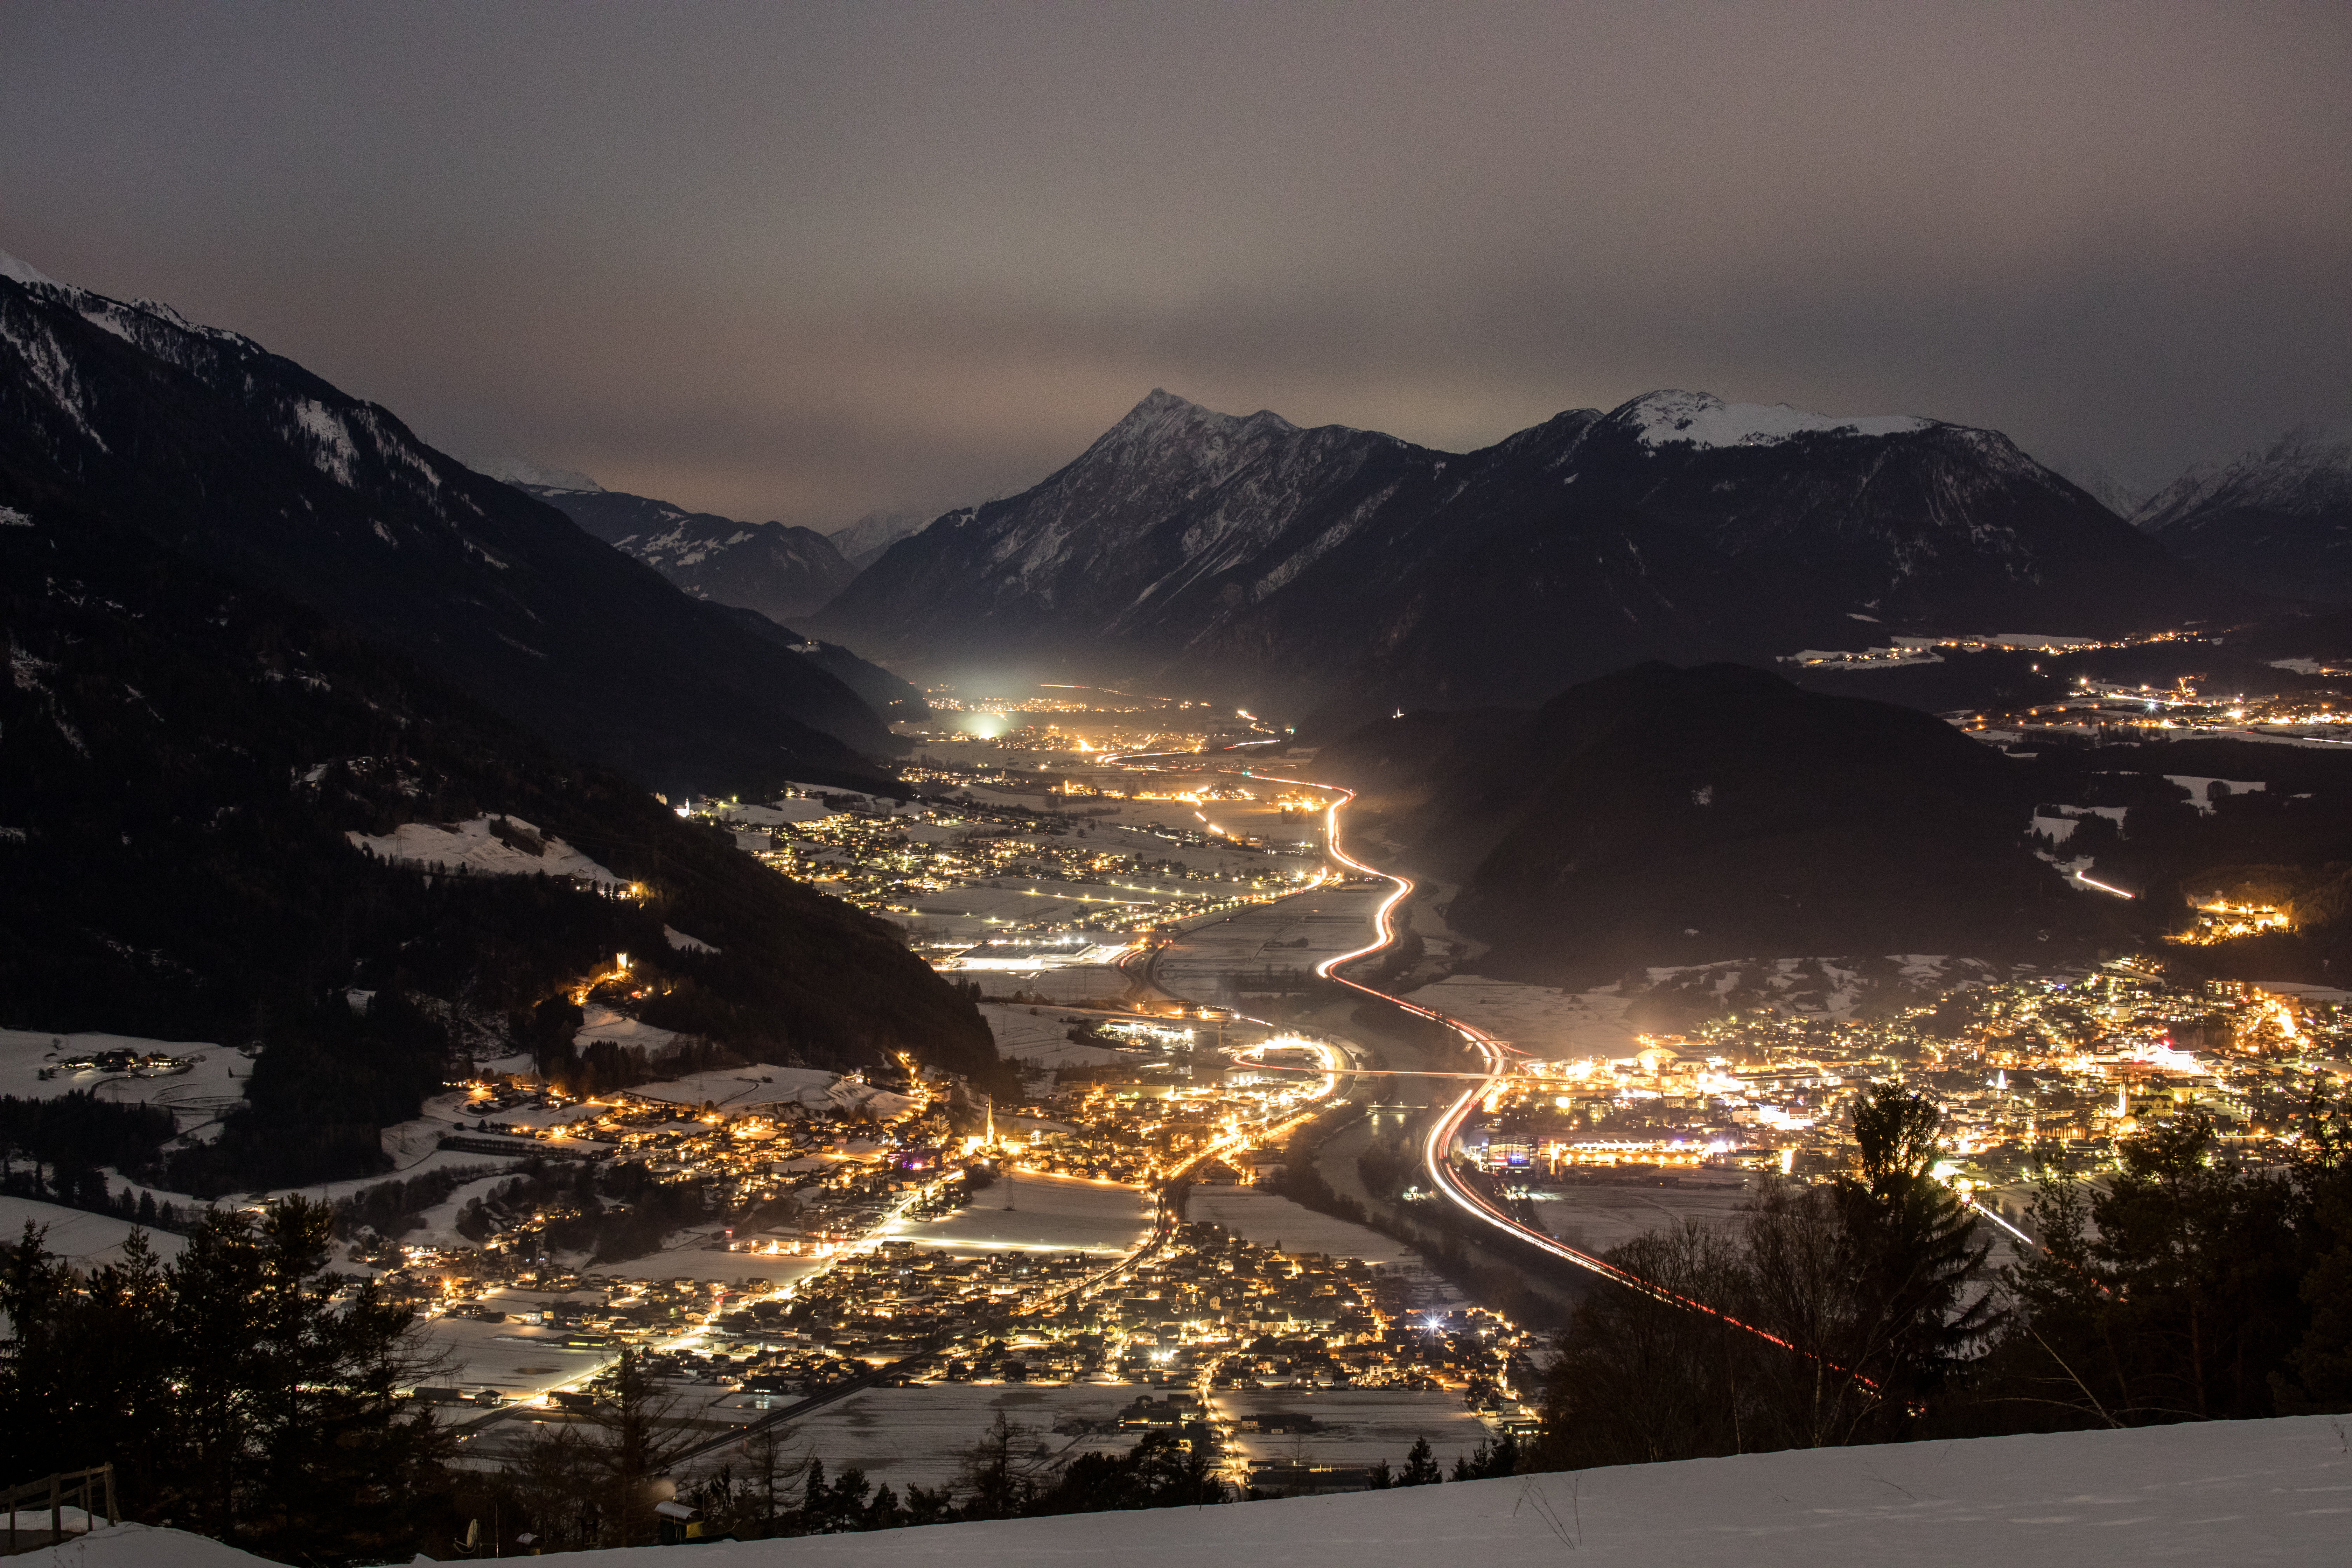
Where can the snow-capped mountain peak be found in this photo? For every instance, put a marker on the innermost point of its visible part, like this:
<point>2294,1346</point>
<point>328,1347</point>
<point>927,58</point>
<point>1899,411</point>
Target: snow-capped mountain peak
<point>2303,472</point>
<point>862,543</point>
<point>1700,419</point>
<point>18,270</point>
<point>523,471</point>
<point>2279,520</point>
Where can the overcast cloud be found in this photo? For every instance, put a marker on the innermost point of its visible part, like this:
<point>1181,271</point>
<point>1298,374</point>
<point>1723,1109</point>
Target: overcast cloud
<point>802,262</point>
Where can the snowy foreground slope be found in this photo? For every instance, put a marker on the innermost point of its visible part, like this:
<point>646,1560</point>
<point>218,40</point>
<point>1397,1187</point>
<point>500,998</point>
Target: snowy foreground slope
<point>2238,1492</point>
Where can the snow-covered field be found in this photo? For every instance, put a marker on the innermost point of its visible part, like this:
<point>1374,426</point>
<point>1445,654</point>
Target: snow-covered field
<point>1538,1019</point>
<point>518,1359</point>
<point>1039,1035</point>
<point>603,1023</point>
<point>215,1080</point>
<point>792,808</point>
<point>761,1084</point>
<point>1049,1213</point>
<point>1293,934</point>
<point>920,1434</point>
<point>2252,1494</point>
<point>1366,1424</point>
<point>1596,1216</point>
<point>1269,1219</point>
<point>1083,985</point>
<point>481,851</point>
<point>85,1239</point>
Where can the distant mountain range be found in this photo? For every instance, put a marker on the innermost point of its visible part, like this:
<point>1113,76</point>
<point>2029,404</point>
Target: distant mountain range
<point>166,438</point>
<point>863,542</point>
<point>2278,520</point>
<point>778,570</point>
<point>1351,568</point>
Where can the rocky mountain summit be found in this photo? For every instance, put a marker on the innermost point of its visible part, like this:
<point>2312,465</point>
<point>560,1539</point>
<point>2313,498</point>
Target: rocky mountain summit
<point>2278,520</point>
<point>1344,565</point>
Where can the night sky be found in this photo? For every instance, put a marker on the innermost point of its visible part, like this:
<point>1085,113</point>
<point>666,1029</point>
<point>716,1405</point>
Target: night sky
<point>804,261</point>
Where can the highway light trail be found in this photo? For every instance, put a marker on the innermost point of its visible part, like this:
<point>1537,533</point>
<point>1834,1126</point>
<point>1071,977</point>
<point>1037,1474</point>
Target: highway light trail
<point>1443,1177</point>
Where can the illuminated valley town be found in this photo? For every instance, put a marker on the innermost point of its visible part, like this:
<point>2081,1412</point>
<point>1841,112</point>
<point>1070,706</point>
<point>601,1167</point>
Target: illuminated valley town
<point>1201,1204</point>
<point>844,785</point>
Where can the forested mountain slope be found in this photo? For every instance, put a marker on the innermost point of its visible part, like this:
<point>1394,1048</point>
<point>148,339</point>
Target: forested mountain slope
<point>183,760</point>
<point>195,442</point>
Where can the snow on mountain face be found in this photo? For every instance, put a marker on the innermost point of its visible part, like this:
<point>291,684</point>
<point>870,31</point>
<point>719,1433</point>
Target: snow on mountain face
<point>18,271</point>
<point>487,845</point>
<point>129,420</point>
<point>1703,421</point>
<point>1677,527</point>
<point>862,543</point>
<point>525,474</point>
<point>2301,473</point>
<point>2279,521</point>
<point>779,571</point>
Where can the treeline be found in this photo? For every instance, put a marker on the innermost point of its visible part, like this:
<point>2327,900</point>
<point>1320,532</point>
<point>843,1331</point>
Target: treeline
<point>391,1209</point>
<point>2186,1287</point>
<point>595,1483</point>
<point>63,1142</point>
<point>238,1394</point>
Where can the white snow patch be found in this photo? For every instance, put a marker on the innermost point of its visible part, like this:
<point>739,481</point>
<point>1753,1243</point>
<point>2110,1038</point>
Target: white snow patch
<point>1046,1214</point>
<point>336,450</point>
<point>775,814</point>
<point>1269,1219</point>
<point>2299,666</point>
<point>2220,1491</point>
<point>11,518</point>
<point>81,1237</point>
<point>1703,421</point>
<point>2196,785</point>
<point>430,847</point>
<point>18,270</point>
<point>685,943</point>
<point>601,1023</point>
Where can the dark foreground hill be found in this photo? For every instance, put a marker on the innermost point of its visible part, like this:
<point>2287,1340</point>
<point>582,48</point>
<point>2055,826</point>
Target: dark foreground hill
<point>182,758</point>
<point>196,443</point>
<point>1664,815</point>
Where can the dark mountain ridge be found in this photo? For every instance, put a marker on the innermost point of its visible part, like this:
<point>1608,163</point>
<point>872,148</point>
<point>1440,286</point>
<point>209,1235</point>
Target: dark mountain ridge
<point>771,567</point>
<point>198,442</point>
<point>1672,816</point>
<point>1348,567</point>
<point>1664,815</point>
<point>2277,522</point>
